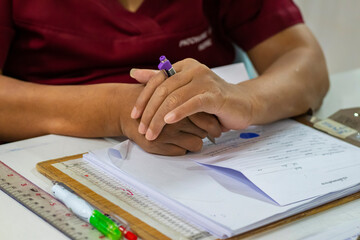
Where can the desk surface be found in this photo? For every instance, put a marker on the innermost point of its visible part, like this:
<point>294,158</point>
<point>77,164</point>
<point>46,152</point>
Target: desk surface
<point>16,222</point>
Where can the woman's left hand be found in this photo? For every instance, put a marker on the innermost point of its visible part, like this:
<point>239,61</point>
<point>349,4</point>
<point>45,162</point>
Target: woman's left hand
<point>194,88</point>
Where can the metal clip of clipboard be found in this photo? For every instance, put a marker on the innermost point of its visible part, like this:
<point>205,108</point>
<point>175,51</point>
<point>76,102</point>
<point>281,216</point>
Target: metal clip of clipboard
<point>344,124</point>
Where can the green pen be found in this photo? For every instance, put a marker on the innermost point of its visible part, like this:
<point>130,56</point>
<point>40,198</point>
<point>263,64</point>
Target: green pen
<point>86,212</point>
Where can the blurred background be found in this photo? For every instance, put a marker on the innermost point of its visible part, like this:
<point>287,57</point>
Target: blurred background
<point>336,25</point>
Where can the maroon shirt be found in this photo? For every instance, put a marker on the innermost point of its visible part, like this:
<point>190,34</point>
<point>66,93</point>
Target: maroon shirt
<point>95,41</point>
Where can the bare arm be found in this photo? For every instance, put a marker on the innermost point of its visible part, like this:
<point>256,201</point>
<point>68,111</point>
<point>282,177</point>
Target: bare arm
<point>293,75</point>
<point>28,109</point>
<point>293,78</point>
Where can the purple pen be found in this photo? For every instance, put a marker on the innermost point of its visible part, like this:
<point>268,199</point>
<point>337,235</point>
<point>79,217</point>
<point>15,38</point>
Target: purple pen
<point>166,66</point>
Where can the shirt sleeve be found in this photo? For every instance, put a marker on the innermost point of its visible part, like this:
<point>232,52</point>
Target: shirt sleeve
<point>6,30</point>
<point>248,23</point>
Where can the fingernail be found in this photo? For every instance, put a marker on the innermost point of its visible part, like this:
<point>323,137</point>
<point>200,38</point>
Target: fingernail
<point>132,72</point>
<point>149,135</point>
<point>142,128</point>
<point>134,113</point>
<point>169,117</point>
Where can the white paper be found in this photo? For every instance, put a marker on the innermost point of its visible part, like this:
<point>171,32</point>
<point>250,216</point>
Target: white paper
<point>120,151</point>
<point>233,73</point>
<point>288,161</point>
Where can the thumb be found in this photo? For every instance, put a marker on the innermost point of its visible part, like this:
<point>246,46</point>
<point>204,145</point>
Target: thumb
<point>142,75</point>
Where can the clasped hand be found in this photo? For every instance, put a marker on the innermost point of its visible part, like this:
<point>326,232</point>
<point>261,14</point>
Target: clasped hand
<point>193,89</point>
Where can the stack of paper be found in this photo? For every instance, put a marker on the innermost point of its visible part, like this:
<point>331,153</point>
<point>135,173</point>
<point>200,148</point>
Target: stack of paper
<point>248,179</point>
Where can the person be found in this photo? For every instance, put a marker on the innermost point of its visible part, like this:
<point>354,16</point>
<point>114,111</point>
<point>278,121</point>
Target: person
<point>65,69</point>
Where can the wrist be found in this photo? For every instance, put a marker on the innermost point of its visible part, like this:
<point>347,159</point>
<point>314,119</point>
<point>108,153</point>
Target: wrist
<point>258,101</point>
<point>244,105</point>
<point>129,94</point>
<point>87,111</point>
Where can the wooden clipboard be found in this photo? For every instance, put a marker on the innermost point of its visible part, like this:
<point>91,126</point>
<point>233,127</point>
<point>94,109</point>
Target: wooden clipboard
<point>145,231</point>
<point>142,229</point>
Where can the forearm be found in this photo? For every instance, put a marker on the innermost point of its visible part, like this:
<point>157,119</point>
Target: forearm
<point>28,109</point>
<point>295,82</point>
<point>293,75</point>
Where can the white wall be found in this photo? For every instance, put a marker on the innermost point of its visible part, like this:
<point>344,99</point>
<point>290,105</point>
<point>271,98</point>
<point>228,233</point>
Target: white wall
<point>336,25</point>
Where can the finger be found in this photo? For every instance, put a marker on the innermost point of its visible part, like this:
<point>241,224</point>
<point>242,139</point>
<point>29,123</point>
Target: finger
<point>186,141</point>
<point>154,117</point>
<point>157,89</point>
<point>145,95</point>
<point>185,63</point>
<point>158,147</point>
<point>207,122</point>
<point>224,129</point>
<point>187,126</point>
<point>153,79</point>
<point>199,103</point>
<point>142,75</point>
<point>164,95</point>
<point>167,149</point>
<point>153,95</point>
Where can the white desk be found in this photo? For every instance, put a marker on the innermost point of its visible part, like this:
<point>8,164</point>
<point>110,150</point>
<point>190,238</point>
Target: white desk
<point>16,222</point>
<point>344,93</point>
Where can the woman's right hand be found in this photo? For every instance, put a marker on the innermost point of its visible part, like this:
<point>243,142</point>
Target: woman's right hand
<point>174,139</point>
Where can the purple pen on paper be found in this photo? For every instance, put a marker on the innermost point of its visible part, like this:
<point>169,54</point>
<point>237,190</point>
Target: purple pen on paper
<point>166,66</point>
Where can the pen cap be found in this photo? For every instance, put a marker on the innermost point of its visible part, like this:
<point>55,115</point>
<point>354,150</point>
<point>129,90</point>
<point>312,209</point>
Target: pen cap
<point>105,225</point>
<point>60,193</point>
<point>164,64</point>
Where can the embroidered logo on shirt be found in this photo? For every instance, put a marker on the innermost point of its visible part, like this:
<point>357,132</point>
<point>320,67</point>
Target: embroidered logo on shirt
<point>203,39</point>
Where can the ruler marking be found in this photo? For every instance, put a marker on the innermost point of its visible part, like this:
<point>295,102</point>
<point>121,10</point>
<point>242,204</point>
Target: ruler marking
<point>127,197</point>
<point>55,213</point>
<point>43,205</point>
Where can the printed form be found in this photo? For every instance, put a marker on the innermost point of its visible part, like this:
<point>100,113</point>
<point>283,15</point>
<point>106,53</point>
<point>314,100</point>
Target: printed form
<point>286,161</point>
